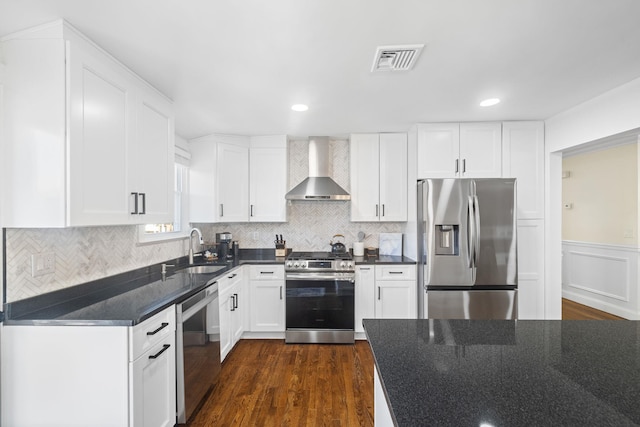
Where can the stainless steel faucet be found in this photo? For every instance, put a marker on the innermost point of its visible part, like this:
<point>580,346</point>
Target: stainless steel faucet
<point>191,243</point>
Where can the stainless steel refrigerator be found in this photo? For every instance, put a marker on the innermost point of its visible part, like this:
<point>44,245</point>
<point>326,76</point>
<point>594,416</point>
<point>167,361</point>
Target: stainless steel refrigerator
<point>467,245</point>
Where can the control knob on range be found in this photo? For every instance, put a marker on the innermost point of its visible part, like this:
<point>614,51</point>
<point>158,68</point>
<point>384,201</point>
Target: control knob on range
<point>343,264</point>
<point>296,265</point>
<point>289,264</point>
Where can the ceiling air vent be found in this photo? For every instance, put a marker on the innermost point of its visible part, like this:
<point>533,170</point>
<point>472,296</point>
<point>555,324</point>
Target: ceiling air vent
<point>396,58</point>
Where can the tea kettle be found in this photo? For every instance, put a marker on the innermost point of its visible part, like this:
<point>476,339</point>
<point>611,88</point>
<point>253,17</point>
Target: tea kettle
<point>338,247</point>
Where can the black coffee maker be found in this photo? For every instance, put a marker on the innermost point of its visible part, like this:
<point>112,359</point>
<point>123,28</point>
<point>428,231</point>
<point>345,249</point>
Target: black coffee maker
<point>223,245</point>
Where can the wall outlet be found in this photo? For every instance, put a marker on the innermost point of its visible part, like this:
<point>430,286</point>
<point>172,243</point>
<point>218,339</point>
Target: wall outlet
<point>44,263</point>
<point>256,236</point>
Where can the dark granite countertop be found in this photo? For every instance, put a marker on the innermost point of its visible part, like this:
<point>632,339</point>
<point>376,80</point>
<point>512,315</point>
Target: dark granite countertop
<point>125,299</point>
<point>508,373</point>
<point>382,259</point>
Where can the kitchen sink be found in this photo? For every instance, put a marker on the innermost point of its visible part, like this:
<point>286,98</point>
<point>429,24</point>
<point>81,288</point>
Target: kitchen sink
<point>202,269</point>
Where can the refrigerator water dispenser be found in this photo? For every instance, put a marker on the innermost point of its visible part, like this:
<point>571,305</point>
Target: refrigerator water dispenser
<point>447,242</point>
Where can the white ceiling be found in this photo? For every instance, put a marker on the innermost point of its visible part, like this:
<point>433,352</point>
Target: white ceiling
<point>236,66</point>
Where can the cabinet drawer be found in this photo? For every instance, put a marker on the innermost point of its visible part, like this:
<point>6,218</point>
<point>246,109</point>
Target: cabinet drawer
<point>152,331</point>
<point>229,279</point>
<point>267,272</point>
<point>395,272</point>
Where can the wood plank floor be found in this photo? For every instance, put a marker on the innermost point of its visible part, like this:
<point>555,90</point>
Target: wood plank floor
<point>573,311</point>
<point>268,383</point>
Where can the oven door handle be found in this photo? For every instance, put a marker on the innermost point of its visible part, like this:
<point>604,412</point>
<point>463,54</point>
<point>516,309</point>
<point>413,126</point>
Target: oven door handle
<point>313,276</point>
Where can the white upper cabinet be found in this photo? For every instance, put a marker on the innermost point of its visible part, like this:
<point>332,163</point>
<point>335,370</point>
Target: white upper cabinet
<point>219,179</point>
<point>268,179</point>
<point>379,177</point>
<point>82,134</point>
<point>153,169</point>
<point>438,150</point>
<point>523,159</point>
<point>465,150</point>
<point>238,179</point>
<point>481,150</point>
<point>232,183</point>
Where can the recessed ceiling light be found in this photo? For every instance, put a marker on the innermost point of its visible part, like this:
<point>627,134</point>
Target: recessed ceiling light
<point>299,107</point>
<point>489,102</point>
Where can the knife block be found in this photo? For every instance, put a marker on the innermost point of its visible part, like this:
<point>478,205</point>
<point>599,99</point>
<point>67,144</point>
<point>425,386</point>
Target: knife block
<point>281,250</point>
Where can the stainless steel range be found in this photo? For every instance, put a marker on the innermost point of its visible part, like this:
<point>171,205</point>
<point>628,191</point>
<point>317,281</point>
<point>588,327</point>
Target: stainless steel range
<point>320,298</point>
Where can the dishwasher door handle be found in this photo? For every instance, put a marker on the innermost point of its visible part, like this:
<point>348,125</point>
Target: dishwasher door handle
<point>187,314</point>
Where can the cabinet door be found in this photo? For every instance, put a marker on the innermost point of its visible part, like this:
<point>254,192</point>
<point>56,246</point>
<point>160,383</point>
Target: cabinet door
<point>365,177</point>
<point>226,306</point>
<point>523,158</point>
<point>396,299</point>
<point>268,184</point>
<point>365,304</point>
<point>154,386</point>
<point>481,150</point>
<point>267,306</point>
<point>101,108</point>
<point>531,269</point>
<point>238,312</point>
<point>393,177</point>
<point>232,184</point>
<point>203,204</point>
<point>153,159</point>
<point>438,150</point>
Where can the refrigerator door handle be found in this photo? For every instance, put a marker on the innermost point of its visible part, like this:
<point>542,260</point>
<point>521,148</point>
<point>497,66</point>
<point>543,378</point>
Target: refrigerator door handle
<point>471,233</point>
<point>476,211</point>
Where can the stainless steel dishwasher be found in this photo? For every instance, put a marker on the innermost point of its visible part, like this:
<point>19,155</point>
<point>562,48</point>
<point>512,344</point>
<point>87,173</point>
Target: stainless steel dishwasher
<point>198,350</point>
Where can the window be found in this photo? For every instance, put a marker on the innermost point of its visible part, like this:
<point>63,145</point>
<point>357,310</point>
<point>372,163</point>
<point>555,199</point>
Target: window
<point>179,228</point>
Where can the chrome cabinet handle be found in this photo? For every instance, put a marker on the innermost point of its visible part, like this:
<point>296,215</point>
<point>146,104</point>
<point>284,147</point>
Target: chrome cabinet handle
<point>235,301</point>
<point>221,209</point>
<point>250,210</point>
<point>280,292</point>
<point>378,293</point>
<point>396,272</point>
<point>376,210</point>
<point>464,165</point>
<point>457,164</point>
<point>383,209</point>
<point>162,326</point>
<point>164,348</point>
<point>267,272</point>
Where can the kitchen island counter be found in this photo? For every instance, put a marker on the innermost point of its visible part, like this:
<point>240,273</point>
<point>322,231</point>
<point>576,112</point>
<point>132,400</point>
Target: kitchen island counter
<point>508,373</point>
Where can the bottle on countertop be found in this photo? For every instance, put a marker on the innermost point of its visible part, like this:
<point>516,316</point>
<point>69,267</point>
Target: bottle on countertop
<point>235,249</point>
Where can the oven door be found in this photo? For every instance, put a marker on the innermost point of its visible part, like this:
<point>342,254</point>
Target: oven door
<point>317,301</point>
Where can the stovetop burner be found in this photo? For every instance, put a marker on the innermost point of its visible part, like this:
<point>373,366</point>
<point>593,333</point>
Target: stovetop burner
<point>320,256</point>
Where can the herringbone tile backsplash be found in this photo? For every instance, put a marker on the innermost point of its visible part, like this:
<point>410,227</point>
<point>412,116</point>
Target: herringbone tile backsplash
<point>89,253</point>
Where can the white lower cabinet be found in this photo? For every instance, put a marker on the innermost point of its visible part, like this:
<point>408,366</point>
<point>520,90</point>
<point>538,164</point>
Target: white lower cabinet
<point>385,292</point>
<point>531,269</point>
<point>365,304</point>
<point>154,387</point>
<point>396,296</point>
<point>233,308</point>
<point>266,285</point>
<point>90,375</point>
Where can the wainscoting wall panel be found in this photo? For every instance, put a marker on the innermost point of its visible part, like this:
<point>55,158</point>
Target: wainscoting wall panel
<point>602,276</point>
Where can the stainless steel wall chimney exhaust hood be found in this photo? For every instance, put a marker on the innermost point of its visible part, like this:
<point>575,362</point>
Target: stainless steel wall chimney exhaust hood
<point>318,186</point>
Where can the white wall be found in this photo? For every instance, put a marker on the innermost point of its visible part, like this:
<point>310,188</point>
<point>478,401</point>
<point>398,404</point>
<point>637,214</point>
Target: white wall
<point>609,114</point>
